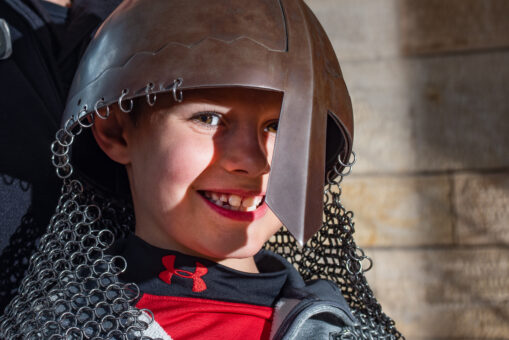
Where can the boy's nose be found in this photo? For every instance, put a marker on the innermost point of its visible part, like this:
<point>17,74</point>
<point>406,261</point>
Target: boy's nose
<point>245,153</point>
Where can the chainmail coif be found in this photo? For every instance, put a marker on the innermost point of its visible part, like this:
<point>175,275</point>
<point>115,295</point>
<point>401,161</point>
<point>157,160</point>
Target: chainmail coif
<point>72,288</point>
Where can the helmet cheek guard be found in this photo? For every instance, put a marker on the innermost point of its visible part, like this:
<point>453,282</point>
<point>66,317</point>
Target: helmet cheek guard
<point>142,50</point>
<point>316,121</point>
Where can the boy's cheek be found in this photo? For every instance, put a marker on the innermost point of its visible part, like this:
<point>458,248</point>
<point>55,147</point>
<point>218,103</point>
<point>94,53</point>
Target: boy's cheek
<point>172,172</point>
<point>187,162</point>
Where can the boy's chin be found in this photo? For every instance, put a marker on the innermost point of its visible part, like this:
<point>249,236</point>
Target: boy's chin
<point>241,251</point>
<point>246,251</point>
<point>232,249</point>
<point>240,259</point>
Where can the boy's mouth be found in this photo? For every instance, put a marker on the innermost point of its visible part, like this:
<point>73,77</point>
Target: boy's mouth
<point>232,201</point>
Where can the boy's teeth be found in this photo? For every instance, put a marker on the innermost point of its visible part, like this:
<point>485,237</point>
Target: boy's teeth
<point>251,201</point>
<point>234,200</point>
<point>248,201</point>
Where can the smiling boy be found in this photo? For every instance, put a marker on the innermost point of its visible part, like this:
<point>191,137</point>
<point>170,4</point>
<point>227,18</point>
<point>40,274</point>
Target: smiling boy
<point>182,159</point>
<point>228,118</point>
<point>198,172</point>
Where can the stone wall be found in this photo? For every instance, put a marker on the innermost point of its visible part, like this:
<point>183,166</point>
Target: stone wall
<point>429,82</point>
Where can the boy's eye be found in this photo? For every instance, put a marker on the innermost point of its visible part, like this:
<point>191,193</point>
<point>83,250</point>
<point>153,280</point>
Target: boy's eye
<point>272,127</point>
<point>208,118</point>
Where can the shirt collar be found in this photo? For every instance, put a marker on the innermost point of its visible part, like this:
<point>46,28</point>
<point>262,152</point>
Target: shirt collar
<point>170,273</point>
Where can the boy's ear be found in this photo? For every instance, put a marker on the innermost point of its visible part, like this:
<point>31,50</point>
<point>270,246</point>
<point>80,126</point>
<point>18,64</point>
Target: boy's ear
<point>110,135</point>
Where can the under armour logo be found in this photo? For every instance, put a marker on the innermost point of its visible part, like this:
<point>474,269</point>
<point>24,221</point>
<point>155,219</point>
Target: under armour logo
<point>198,283</point>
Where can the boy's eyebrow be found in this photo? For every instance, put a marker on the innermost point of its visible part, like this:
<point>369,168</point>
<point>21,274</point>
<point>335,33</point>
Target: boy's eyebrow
<point>205,99</point>
<point>197,105</point>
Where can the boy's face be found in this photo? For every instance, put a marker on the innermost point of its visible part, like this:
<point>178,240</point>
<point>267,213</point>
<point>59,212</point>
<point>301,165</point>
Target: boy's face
<point>186,159</point>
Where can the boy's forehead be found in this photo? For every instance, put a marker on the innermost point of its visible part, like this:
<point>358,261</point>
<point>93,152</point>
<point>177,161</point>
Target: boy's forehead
<point>221,97</point>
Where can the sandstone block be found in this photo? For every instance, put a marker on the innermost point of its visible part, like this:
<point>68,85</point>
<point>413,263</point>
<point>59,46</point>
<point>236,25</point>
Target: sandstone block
<point>437,26</point>
<point>400,211</point>
<point>482,207</point>
<point>360,30</point>
<point>440,113</point>
<point>444,293</point>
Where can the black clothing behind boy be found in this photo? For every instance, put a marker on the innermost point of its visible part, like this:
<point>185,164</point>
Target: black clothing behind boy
<point>47,43</point>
